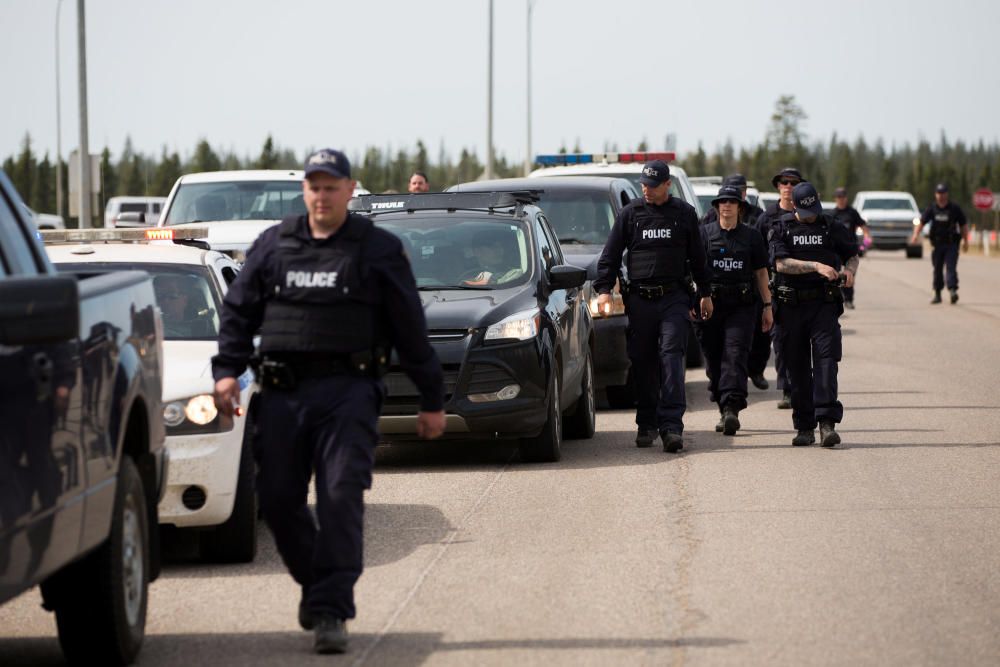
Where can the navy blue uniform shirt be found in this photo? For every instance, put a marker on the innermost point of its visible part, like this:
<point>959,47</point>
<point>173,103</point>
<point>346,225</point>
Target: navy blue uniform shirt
<point>944,222</point>
<point>849,217</point>
<point>621,238</point>
<point>840,247</point>
<point>753,250</point>
<point>391,279</point>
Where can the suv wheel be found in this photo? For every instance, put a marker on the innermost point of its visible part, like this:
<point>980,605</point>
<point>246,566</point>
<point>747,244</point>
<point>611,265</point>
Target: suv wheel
<point>546,446</point>
<point>582,423</point>
<point>100,601</point>
<point>235,541</point>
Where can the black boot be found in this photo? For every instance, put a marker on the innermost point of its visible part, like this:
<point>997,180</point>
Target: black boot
<point>672,442</point>
<point>804,438</point>
<point>937,296</point>
<point>331,635</point>
<point>722,423</point>
<point>954,296</point>
<point>759,381</point>
<point>828,436</point>
<point>730,421</point>
<point>645,437</point>
<point>786,401</point>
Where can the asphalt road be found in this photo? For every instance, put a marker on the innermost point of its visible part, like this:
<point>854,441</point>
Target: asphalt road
<point>740,551</point>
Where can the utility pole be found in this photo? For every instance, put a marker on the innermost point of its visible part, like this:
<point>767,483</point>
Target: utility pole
<point>489,102</point>
<point>528,161</point>
<point>59,188</point>
<point>85,214</point>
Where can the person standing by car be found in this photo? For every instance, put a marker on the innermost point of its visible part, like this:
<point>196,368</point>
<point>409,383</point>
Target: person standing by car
<point>811,255</point>
<point>329,293</point>
<point>849,217</point>
<point>661,235</point>
<point>784,181</point>
<point>948,229</point>
<point>737,269</point>
<point>418,182</point>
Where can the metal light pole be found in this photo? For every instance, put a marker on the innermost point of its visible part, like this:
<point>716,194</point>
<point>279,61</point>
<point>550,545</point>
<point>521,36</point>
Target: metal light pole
<point>528,161</point>
<point>59,189</point>
<point>489,103</point>
<point>85,215</point>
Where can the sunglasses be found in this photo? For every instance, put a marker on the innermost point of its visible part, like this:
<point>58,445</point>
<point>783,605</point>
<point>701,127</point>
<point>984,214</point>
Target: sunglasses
<point>788,181</point>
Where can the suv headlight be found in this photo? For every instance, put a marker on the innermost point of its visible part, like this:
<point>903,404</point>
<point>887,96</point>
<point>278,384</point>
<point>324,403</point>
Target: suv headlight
<point>197,414</point>
<point>519,326</point>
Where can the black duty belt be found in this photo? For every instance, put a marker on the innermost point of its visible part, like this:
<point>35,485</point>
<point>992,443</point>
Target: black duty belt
<point>793,296</point>
<point>733,292</point>
<point>286,371</point>
<point>655,290</point>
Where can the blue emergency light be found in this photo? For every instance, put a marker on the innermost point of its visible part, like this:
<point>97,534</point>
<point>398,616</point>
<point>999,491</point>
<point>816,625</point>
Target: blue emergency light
<point>606,158</point>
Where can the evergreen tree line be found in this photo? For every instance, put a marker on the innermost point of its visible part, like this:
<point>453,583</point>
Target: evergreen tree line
<point>856,165</point>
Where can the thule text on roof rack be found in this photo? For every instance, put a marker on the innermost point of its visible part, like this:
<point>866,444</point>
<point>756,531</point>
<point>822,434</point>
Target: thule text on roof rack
<point>447,201</point>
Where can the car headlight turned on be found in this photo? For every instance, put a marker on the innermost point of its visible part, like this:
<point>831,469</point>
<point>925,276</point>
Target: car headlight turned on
<point>505,394</point>
<point>195,415</point>
<point>617,304</point>
<point>519,326</point>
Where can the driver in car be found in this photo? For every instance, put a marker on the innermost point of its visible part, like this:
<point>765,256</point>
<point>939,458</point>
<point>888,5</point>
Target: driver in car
<point>489,251</point>
<point>173,297</point>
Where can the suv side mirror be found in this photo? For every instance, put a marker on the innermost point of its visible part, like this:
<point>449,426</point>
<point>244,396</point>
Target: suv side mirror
<point>567,276</point>
<point>43,309</point>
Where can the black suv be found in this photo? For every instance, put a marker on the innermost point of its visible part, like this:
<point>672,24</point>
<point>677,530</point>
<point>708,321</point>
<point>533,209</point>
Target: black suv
<point>582,210</point>
<point>505,314</point>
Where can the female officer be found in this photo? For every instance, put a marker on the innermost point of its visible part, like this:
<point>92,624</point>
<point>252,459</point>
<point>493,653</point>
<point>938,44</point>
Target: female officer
<point>737,266</point>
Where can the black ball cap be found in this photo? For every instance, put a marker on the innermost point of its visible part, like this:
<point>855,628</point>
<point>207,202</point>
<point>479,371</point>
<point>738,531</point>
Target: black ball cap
<point>655,173</point>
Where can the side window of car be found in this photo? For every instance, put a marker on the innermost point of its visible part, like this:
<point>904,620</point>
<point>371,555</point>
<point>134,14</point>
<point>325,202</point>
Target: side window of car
<point>551,251</point>
<point>229,274</point>
<point>16,255</point>
<point>627,194</point>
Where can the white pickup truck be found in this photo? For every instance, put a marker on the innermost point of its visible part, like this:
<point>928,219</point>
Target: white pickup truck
<point>890,218</point>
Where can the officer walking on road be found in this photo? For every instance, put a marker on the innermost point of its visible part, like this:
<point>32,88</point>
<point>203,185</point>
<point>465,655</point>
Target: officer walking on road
<point>661,235</point>
<point>748,212</point>
<point>737,270</point>
<point>812,254</point>
<point>948,228</point>
<point>783,181</point>
<point>329,293</point>
<point>849,217</point>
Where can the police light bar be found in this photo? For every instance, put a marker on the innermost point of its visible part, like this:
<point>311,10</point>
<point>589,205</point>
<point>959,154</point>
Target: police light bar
<point>606,158</point>
<point>446,201</point>
<point>52,236</point>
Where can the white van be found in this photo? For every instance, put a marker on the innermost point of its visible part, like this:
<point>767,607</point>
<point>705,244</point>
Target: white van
<point>150,207</point>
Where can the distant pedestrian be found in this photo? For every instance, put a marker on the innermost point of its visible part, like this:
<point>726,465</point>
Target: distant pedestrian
<point>418,182</point>
<point>948,229</point>
<point>849,217</point>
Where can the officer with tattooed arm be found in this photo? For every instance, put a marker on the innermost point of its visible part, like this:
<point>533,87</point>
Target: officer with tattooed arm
<point>329,293</point>
<point>812,255</point>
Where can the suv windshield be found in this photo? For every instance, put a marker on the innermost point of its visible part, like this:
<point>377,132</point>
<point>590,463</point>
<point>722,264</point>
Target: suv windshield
<point>578,216</point>
<point>184,294</point>
<point>888,204</point>
<point>242,200</point>
<point>448,253</point>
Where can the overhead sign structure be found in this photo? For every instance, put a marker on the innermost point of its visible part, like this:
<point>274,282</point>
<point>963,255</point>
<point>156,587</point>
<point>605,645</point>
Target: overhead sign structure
<point>983,199</point>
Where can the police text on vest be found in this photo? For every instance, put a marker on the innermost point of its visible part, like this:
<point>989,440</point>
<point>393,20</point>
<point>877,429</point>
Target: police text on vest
<point>656,233</point>
<point>815,239</point>
<point>728,264</point>
<point>311,279</point>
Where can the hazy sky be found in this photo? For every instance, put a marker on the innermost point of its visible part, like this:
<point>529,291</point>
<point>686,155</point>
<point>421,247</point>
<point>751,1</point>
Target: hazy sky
<point>351,74</point>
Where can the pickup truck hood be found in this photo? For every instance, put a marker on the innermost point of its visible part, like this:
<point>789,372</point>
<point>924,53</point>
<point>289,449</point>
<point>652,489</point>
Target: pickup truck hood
<point>232,234</point>
<point>896,214</point>
<point>187,368</point>
<point>465,309</point>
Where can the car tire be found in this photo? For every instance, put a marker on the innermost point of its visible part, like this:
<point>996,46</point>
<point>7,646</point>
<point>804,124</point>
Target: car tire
<point>915,251</point>
<point>235,541</point>
<point>100,601</point>
<point>583,422</point>
<point>546,447</point>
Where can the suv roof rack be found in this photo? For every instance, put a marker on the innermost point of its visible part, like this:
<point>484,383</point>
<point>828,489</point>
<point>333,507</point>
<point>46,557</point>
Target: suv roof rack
<point>442,201</point>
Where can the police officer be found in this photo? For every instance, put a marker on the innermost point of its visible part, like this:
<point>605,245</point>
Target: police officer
<point>661,235</point>
<point>948,228</point>
<point>737,274</point>
<point>748,212</point>
<point>329,293</point>
<point>783,182</point>
<point>849,217</point>
<point>418,182</point>
<point>811,253</point>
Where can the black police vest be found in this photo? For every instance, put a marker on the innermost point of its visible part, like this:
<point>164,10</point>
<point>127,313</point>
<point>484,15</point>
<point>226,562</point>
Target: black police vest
<point>846,217</point>
<point>944,226</point>
<point>729,255</point>
<point>319,301</point>
<point>811,242</point>
<point>659,247</point>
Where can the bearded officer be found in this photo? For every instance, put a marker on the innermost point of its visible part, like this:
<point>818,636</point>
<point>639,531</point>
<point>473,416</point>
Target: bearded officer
<point>812,254</point>
<point>661,235</point>
<point>329,293</point>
